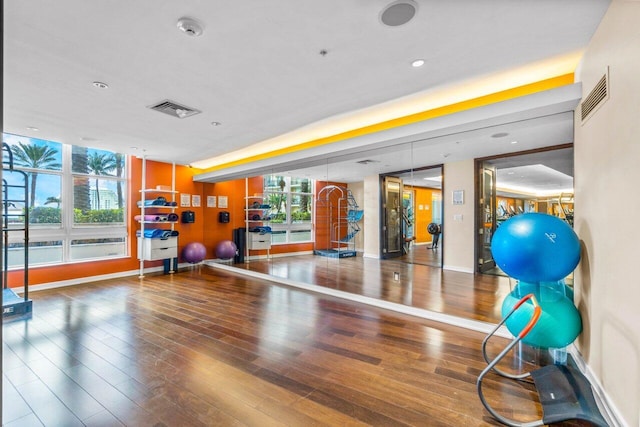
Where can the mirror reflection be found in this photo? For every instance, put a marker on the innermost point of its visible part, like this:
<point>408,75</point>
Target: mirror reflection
<point>380,223</point>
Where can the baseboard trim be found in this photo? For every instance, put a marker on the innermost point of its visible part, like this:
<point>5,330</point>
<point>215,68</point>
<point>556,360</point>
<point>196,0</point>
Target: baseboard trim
<point>459,269</point>
<point>605,404</point>
<point>89,279</point>
<point>370,256</point>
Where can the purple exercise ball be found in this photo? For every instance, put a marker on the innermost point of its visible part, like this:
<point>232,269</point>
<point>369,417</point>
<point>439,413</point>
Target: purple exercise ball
<point>226,249</point>
<point>194,252</point>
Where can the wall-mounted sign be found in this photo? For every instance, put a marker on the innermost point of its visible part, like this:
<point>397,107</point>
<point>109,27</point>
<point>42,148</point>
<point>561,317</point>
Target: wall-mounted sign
<point>458,197</point>
<point>185,200</point>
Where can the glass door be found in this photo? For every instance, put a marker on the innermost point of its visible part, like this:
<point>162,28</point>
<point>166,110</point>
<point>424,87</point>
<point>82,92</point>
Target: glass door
<point>392,217</point>
<point>486,217</point>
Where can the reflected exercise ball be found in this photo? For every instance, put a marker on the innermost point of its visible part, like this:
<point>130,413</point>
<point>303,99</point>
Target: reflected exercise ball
<point>535,247</point>
<point>194,252</point>
<point>226,249</point>
<point>559,323</point>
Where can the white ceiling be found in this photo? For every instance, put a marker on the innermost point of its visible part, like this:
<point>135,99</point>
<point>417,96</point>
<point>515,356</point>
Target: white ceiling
<point>257,69</point>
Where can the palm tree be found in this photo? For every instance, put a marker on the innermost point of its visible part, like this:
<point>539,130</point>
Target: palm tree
<point>36,157</point>
<point>118,160</point>
<point>100,164</point>
<point>55,200</point>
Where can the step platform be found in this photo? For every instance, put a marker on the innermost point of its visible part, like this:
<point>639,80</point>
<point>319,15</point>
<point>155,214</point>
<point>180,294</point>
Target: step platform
<point>332,253</point>
<point>15,307</point>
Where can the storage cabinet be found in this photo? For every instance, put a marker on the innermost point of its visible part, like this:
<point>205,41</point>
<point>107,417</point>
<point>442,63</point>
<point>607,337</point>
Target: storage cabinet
<point>257,240</point>
<point>153,249</point>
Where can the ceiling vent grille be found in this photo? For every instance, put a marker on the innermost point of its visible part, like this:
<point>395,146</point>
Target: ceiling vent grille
<point>598,95</point>
<point>174,109</point>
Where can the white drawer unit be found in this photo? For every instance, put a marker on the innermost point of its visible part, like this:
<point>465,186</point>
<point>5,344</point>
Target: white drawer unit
<point>258,240</point>
<point>155,249</point>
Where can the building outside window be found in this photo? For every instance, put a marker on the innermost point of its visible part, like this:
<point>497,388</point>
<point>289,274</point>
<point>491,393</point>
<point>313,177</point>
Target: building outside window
<point>291,208</point>
<point>76,202</point>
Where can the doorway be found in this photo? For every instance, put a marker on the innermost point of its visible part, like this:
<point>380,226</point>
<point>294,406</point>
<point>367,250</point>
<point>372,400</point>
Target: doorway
<point>422,225</point>
<point>393,217</point>
<point>532,181</point>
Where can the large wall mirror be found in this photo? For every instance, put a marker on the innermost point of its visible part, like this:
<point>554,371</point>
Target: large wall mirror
<point>349,210</point>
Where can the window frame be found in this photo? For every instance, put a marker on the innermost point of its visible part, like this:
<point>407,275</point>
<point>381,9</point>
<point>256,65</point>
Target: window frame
<point>67,230</point>
<point>288,227</point>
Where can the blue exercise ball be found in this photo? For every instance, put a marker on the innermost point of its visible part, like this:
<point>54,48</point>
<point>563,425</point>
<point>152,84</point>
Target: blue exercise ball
<point>535,247</point>
<point>226,249</point>
<point>194,252</point>
<point>559,323</point>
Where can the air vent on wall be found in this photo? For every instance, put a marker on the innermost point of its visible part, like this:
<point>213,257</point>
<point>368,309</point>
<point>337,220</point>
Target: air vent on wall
<point>174,109</point>
<point>598,95</point>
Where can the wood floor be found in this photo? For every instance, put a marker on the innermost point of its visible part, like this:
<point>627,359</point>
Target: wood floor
<point>468,296</point>
<point>204,347</point>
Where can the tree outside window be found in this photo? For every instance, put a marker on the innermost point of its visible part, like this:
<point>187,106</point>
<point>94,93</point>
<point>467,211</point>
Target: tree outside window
<point>291,201</point>
<point>81,186</point>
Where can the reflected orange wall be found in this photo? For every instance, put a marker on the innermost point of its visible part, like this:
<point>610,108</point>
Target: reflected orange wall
<point>322,226</point>
<point>214,231</point>
<point>424,198</point>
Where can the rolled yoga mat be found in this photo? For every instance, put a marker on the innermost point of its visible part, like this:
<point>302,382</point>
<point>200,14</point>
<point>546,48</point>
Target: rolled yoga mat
<point>155,233</point>
<point>147,218</point>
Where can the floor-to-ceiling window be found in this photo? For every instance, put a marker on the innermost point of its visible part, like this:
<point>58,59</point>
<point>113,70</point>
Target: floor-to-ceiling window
<point>75,202</point>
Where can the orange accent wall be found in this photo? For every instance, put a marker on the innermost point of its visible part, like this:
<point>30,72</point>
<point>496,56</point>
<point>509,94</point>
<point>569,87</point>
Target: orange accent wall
<point>157,174</point>
<point>424,197</point>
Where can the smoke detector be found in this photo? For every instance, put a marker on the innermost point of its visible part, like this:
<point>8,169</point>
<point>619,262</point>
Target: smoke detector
<point>190,27</point>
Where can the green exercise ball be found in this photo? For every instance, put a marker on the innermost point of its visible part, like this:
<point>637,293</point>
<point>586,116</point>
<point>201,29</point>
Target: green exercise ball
<point>559,323</point>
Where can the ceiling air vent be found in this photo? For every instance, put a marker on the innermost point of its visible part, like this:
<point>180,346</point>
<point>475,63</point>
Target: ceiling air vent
<point>174,109</point>
<point>366,162</point>
<point>598,95</point>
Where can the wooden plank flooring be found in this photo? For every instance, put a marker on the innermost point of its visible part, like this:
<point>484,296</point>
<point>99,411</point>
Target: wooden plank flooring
<point>210,348</point>
<point>475,297</point>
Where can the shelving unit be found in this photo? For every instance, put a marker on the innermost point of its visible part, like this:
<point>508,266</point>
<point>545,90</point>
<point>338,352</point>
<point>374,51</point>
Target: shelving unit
<point>158,243</point>
<point>258,232</point>
<point>14,195</point>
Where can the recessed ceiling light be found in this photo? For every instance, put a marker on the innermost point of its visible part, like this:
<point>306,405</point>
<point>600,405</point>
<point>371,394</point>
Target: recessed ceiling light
<point>216,123</point>
<point>190,27</point>
<point>514,142</point>
<point>101,85</point>
<point>499,135</point>
<point>33,128</point>
<point>417,63</point>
